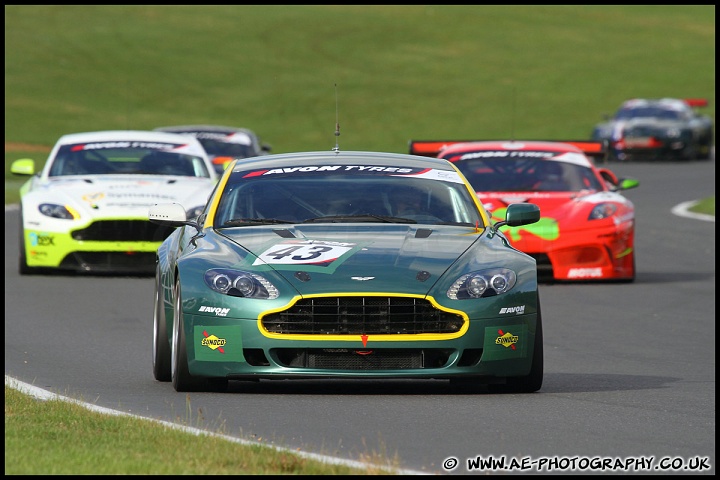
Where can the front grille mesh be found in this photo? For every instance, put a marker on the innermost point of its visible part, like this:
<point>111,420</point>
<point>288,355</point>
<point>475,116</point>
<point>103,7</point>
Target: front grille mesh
<point>137,262</point>
<point>368,359</point>
<point>362,315</point>
<point>123,231</point>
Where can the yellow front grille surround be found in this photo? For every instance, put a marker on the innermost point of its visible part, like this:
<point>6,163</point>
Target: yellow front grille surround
<point>349,317</point>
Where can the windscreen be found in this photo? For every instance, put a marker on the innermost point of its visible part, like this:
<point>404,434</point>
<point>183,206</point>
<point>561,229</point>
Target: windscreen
<point>349,196</point>
<point>131,158</point>
<point>524,171</point>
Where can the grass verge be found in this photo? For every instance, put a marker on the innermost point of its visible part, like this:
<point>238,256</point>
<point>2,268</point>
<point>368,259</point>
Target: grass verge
<point>56,437</point>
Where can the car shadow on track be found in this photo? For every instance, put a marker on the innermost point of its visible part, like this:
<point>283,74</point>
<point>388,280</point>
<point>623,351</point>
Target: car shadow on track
<point>553,383</point>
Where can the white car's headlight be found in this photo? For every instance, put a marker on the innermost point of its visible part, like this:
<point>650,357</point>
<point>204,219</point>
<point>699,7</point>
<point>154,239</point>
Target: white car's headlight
<point>238,283</point>
<point>58,211</point>
<point>483,283</point>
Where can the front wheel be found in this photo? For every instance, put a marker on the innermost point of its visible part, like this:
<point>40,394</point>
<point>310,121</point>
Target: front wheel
<point>161,345</point>
<point>631,277</point>
<point>23,268</point>
<point>706,147</point>
<point>181,379</point>
<point>532,382</point>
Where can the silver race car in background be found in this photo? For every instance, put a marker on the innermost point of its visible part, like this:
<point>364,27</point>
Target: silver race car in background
<point>223,144</point>
<point>658,129</point>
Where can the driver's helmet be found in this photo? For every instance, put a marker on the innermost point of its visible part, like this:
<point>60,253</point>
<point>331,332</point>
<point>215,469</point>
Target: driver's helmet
<point>549,169</point>
<point>407,201</point>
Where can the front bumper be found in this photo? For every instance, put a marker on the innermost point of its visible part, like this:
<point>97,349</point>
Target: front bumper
<point>63,252</point>
<point>238,349</point>
<point>651,148</point>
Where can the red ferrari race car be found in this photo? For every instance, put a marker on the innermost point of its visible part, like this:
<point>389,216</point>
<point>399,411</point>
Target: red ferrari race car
<point>587,227</point>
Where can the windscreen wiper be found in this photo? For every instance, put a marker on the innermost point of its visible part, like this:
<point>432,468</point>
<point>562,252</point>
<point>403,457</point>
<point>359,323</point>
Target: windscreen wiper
<point>245,222</point>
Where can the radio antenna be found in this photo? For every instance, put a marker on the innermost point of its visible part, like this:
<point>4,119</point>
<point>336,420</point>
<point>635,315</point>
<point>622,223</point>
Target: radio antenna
<point>512,124</point>
<point>337,123</point>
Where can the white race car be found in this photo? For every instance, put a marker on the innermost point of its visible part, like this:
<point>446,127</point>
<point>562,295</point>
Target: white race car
<point>87,211</point>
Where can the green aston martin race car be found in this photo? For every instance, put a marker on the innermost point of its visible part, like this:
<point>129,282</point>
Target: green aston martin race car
<point>345,264</point>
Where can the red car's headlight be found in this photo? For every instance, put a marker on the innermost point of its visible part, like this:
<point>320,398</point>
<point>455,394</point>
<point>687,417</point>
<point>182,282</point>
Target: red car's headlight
<point>602,210</point>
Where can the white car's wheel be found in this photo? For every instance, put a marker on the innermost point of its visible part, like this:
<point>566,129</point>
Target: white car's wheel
<point>23,267</point>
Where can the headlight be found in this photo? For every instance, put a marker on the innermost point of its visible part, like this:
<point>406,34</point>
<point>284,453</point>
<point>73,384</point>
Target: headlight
<point>602,210</point>
<point>484,283</point>
<point>58,211</point>
<point>238,283</point>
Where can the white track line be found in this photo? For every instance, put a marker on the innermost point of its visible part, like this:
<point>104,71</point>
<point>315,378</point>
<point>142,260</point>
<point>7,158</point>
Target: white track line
<point>41,394</point>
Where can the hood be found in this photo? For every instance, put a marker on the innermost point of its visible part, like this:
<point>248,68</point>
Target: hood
<point>558,206</point>
<point>326,258</point>
<point>557,211</point>
<point>119,195</point>
<point>560,213</point>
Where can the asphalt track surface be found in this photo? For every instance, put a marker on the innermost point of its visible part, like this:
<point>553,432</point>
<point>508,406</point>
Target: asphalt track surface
<point>629,368</point>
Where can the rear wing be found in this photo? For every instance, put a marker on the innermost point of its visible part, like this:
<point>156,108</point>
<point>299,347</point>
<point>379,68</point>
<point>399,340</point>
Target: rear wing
<point>427,148</point>
<point>696,102</point>
<point>432,148</point>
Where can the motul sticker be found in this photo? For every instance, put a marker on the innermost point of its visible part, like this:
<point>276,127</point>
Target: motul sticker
<point>585,273</point>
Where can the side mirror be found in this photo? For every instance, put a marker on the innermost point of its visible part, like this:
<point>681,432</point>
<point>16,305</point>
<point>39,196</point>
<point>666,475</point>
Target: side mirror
<point>618,183</point>
<point>24,166</point>
<point>628,183</point>
<point>608,176</point>
<point>169,214</point>
<point>518,214</point>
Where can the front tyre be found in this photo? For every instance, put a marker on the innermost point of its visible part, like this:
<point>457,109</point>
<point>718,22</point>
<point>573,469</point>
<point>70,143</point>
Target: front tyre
<point>532,382</point>
<point>706,147</point>
<point>181,379</point>
<point>23,268</point>
<point>631,277</point>
<point>161,345</point>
